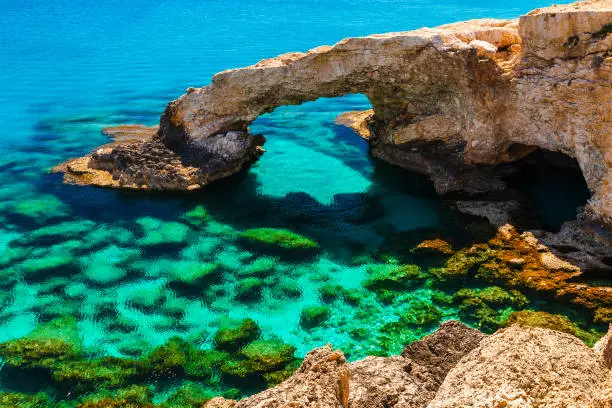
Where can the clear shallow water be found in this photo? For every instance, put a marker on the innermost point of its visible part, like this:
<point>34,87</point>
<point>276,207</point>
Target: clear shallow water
<point>70,68</point>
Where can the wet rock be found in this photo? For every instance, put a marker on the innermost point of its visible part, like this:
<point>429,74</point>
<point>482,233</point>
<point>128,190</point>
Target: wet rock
<point>498,213</point>
<point>235,336</point>
<point>147,164</point>
<point>49,344</point>
<point>436,246</point>
<point>130,397</point>
<point>188,395</point>
<point>193,273</point>
<point>280,238</point>
<point>265,356</point>
<point>261,267</point>
<point>197,216</point>
<point>313,316</point>
<point>157,232</point>
<point>523,366</point>
<point>14,399</point>
<point>104,373</point>
<point>391,277</point>
<point>486,307</point>
<point>540,271</point>
<point>249,289</point>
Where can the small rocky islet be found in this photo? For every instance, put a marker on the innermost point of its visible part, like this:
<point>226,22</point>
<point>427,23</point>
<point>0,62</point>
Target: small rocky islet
<point>237,314</point>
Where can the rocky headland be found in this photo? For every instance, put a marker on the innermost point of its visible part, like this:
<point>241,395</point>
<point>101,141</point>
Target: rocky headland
<point>451,102</point>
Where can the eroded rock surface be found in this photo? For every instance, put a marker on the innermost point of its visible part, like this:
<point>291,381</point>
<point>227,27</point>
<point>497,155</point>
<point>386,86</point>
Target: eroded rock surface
<point>604,348</point>
<point>389,382</point>
<point>447,102</point>
<point>440,351</point>
<point>454,367</point>
<point>524,367</point>
<point>412,379</point>
<point>321,382</point>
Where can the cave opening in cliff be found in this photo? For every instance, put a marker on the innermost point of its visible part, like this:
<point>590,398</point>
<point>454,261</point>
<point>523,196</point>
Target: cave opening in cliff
<point>553,184</point>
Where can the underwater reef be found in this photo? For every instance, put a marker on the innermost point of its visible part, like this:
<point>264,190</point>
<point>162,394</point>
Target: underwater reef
<point>453,366</point>
<point>240,362</point>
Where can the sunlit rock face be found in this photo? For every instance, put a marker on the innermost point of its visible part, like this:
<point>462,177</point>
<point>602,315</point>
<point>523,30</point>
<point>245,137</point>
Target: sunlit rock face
<point>444,100</point>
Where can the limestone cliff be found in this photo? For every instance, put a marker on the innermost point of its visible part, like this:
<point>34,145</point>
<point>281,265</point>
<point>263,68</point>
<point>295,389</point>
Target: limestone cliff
<point>446,102</point>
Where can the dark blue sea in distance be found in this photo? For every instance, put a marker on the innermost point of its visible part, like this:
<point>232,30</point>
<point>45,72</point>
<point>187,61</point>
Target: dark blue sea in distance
<point>68,68</point>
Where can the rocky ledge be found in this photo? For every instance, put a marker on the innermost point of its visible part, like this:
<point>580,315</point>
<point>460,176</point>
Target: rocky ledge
<point>456,366</point>
<point>449,102</point>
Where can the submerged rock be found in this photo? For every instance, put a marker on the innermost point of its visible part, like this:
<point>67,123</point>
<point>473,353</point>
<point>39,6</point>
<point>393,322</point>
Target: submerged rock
<point>89,375</point>
<point>249,289</point>
<point>131,397</point>
<point>158,232</point>
<point>19,400</point>
<point>520,261</point>
<point>234,337</point>
<point>265,356</point>
<point>48,345</point>
<point>279,237</point>
<point>489,307</point>
<point>189,395</point>
<point>314,316</point>
<point>391,277</point>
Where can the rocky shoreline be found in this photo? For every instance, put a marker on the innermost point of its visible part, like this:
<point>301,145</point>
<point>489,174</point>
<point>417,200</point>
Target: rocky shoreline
<point>449,102</point>
<point>454,367</point>
<point>536,360</point>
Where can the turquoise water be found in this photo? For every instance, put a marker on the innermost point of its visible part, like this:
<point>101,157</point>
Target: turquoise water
<point>112,258</point>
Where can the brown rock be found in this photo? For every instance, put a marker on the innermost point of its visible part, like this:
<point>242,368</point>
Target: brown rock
<point>435,246</point>
<point>441,350</point>
<point>603,396</point>
<point>322,381</point>
<point>387,382</point>
<point>220,402</point>
<point>604,348</point>
<point>524,367</point>
<point>541,270</point>
<point>126,133</point>
<point>358,121</point>
<point>411,380</point>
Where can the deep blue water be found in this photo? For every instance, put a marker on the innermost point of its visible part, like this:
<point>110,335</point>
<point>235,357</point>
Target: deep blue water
<point>69,68</point>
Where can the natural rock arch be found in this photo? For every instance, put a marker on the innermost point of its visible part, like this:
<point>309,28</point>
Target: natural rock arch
<point>444,100</point>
